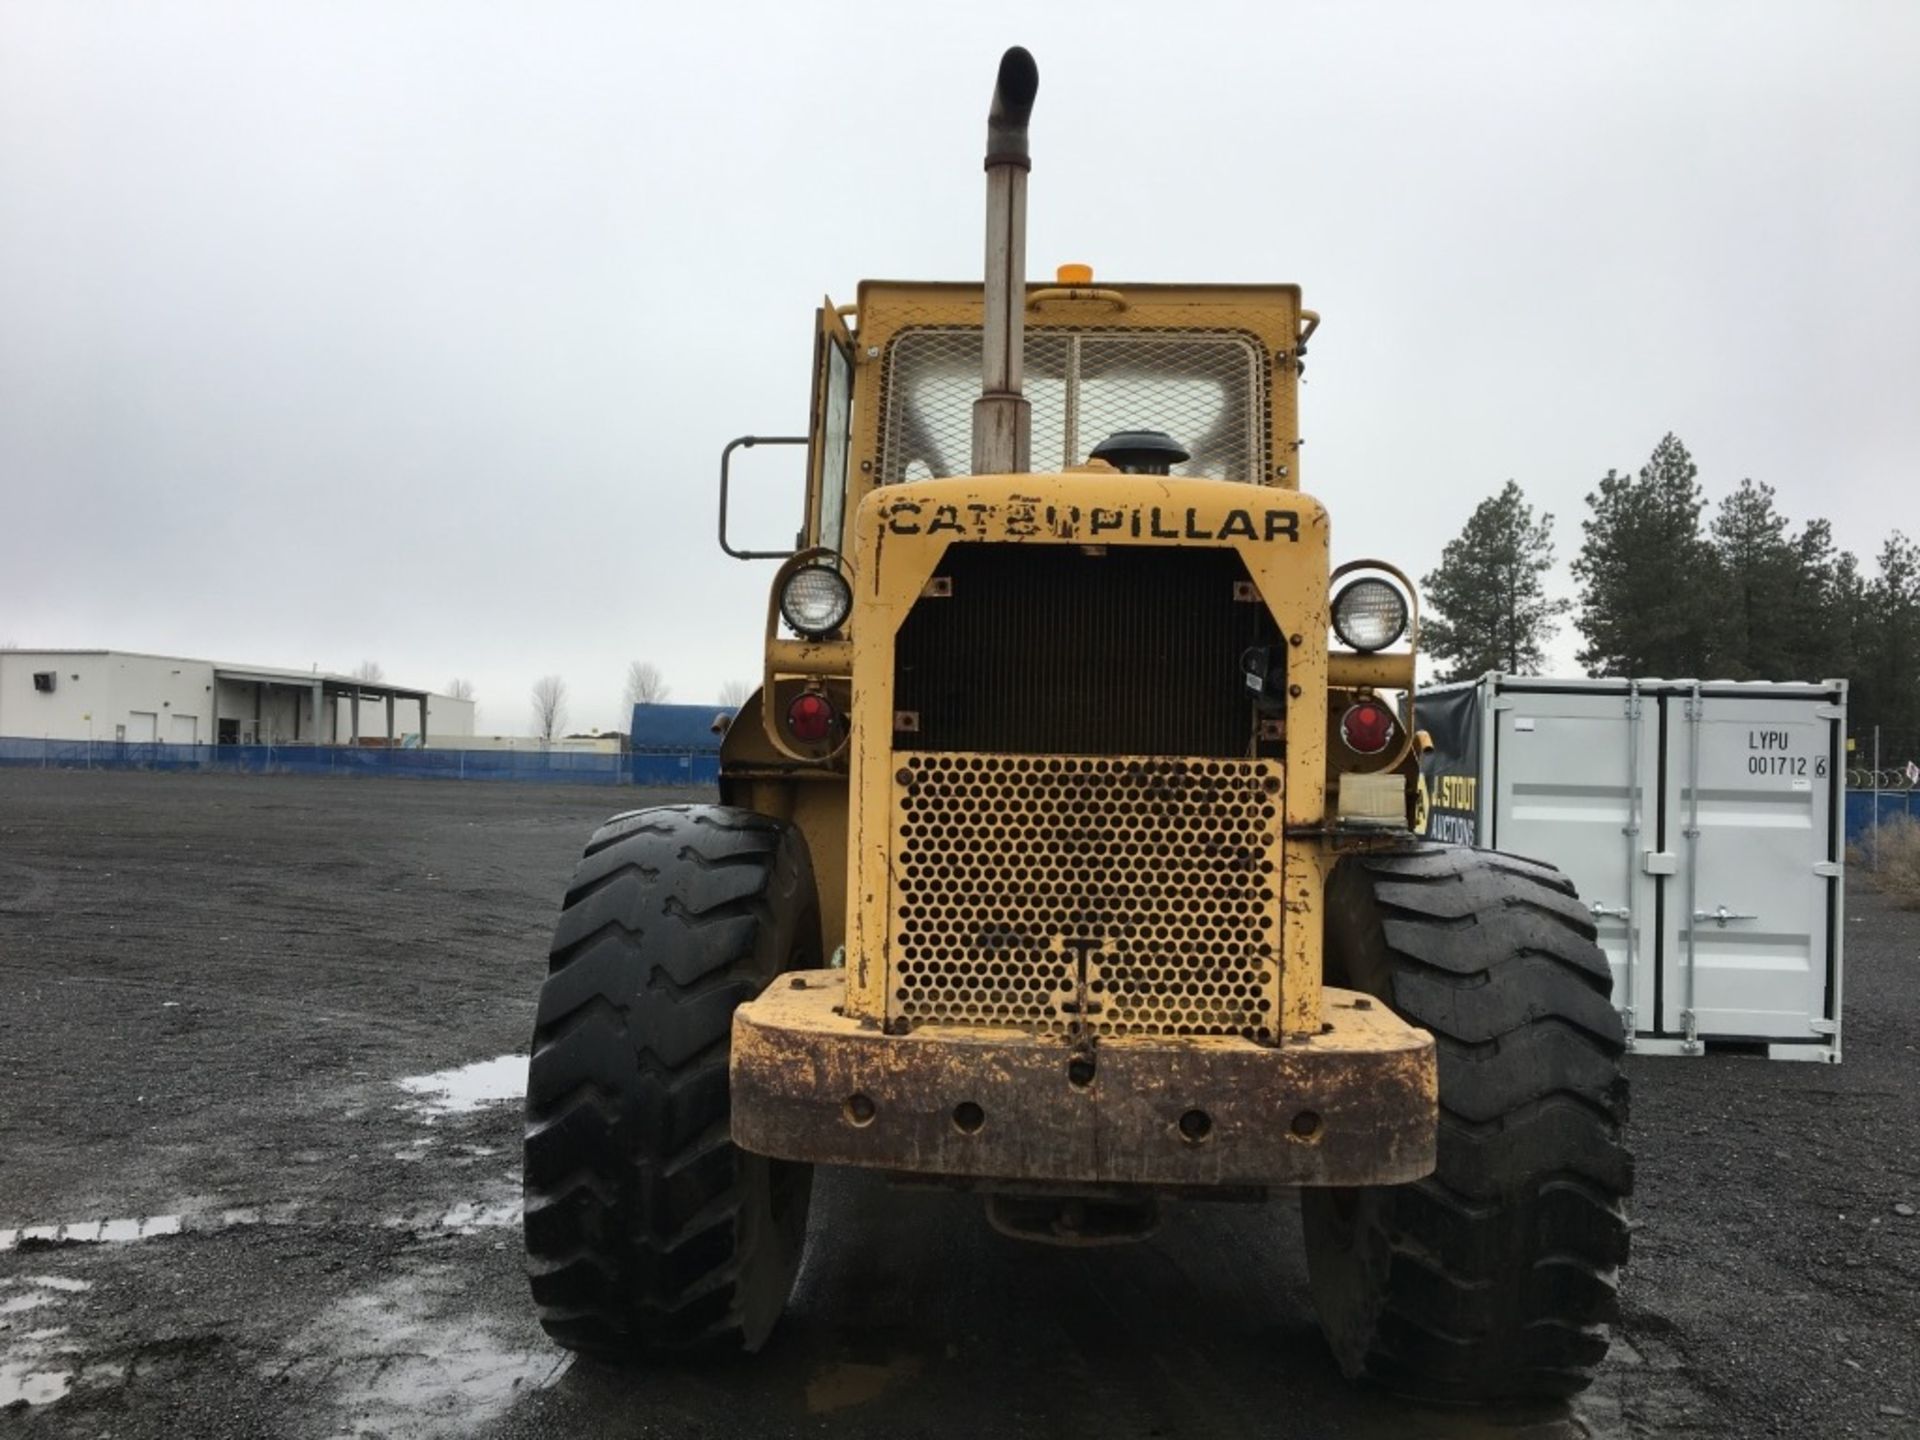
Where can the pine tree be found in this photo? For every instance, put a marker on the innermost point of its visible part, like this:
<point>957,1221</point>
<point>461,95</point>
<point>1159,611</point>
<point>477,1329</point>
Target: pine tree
<point>1888,675</point>
<point>1760,578</point>
<point>1846,629</point>
<point>1647,574</point>
<point>1815,631</point>
<point>1493,610</point>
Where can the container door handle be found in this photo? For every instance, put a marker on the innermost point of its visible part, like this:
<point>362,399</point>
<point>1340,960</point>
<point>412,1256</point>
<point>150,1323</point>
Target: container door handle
<point>1596,909</point>
<point>1720,915</point>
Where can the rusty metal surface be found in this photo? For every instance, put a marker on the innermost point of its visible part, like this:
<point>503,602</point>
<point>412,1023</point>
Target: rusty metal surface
<point>903,532</point>
<point>1354,1105</point>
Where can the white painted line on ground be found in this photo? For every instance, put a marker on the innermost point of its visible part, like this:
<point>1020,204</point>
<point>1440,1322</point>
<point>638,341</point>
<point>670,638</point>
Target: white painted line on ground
<point>143,1227</point>
<point>500,1209</point>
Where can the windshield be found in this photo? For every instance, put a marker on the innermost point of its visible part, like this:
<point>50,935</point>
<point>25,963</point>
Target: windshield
<point>1203,390</point>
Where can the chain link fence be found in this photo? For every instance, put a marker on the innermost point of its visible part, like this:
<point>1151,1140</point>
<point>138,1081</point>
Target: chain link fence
<point>1883,784</point>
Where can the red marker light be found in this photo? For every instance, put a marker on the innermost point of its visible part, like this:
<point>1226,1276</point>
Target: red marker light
<point>1367,727</point>
<point>811,717</point>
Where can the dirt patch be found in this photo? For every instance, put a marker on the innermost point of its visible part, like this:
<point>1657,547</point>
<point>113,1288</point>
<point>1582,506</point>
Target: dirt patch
<point>231,1215</point>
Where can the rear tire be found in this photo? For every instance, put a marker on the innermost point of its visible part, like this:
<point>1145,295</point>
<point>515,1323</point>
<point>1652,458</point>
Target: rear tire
<point>647,1229</point>
<point>1494,1278</point>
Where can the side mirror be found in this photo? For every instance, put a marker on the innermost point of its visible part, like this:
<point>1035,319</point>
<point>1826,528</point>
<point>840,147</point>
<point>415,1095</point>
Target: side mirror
<point>726,459</point>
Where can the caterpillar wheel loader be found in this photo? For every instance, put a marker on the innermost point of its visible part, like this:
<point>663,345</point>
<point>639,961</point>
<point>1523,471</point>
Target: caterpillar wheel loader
<point>1066,853</point>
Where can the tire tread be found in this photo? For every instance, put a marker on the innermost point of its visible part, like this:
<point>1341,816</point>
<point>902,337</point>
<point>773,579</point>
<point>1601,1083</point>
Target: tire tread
<point>635,1193</point>
<point>1501,1267</point>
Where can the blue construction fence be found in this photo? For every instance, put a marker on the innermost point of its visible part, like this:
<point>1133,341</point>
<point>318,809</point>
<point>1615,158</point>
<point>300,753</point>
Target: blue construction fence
<point>553,767</point>
<point>1894,805</point>
<point>558,767</point>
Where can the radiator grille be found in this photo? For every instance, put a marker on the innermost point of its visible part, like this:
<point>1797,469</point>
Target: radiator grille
<point>1124,895</point>
<point>1047,650</point>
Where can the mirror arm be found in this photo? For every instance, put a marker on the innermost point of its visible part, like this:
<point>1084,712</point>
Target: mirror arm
<point>726,460</point>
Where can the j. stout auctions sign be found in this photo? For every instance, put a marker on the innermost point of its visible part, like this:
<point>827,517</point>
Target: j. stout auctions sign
<point>1447,807</point>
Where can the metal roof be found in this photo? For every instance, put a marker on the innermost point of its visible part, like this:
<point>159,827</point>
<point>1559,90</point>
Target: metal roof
<point>268,674</point>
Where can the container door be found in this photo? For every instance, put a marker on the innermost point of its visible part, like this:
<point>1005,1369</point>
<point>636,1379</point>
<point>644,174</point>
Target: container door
<point>1572,788</point>
<point>1747,913</point>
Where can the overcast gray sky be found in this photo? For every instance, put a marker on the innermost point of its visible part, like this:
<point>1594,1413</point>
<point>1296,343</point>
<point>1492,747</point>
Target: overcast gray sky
<point>412,331</point>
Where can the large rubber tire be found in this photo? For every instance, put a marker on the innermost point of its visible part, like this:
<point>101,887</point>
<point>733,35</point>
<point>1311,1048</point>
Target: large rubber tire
<point>1494,1278</point>
<point>647,1230</point>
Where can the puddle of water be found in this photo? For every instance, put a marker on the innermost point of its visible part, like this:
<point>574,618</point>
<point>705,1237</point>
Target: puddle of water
<point>57,1282</point>
<point>468,1087</point>
<point>498,1209</point>
<point>18,1384</point>
<point>104,1375</point>
<point>406,1360</point>
<point>31,1369</point>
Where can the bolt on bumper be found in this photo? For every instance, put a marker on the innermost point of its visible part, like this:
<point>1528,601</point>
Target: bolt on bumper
<point>1353,1105</point>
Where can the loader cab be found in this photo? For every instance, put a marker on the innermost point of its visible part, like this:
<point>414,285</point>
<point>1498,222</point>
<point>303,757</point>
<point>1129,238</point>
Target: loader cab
<point>896,376</point>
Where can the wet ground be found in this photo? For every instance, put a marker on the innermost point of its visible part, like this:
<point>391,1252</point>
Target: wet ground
<point>258,1177</point>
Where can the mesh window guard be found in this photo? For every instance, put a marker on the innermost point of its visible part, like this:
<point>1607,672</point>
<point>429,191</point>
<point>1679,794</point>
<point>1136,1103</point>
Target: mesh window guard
<point>1205,390</point>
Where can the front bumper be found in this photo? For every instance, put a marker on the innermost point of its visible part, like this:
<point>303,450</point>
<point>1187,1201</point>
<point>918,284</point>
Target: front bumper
<point>1353,1105</point>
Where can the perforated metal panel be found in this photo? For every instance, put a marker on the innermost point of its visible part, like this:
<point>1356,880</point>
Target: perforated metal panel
<point>1205,390</point>
<point>1126,895</point>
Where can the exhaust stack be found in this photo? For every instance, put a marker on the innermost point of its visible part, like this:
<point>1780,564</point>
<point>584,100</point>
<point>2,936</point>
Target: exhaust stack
<point>1002,419</point>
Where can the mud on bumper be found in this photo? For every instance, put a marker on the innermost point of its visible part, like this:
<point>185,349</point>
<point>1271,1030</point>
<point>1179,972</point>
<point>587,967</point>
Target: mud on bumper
<point>1354,1105</point>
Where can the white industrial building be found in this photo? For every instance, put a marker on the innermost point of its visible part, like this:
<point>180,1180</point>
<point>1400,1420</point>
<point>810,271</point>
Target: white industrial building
<point>116,695</point>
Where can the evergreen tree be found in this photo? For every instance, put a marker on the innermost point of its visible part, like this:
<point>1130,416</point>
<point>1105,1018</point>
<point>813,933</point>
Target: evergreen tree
<point>1493,610</point>
<point>1887,678</point>
<point>1647,574</point>
<point>1815,632</point>
<point>1846,631</point>
<point>1760,578</point>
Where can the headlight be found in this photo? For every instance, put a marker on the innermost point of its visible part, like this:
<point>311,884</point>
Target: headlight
<point>815,601</point>
<point>1369,615</point>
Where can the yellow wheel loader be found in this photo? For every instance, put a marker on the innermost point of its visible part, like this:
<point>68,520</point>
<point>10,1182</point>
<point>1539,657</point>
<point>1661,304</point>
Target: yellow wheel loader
<point>1064,853</point>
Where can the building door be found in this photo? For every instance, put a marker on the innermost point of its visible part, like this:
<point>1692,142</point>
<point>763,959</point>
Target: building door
<point>143,727</point>
<point>184,729</point>
<point>1746,932</point>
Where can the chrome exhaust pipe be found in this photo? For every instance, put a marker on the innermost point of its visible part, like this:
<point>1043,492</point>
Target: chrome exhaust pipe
<point>1002,418</point>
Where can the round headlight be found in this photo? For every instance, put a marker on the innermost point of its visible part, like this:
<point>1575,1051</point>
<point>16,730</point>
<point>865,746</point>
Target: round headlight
<point>1369,615</point>
<point>815,601</point>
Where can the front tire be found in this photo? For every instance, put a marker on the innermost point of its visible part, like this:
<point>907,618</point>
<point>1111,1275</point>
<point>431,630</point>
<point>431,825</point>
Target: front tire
<point>1493,1278</point>
<point>647,1229</point>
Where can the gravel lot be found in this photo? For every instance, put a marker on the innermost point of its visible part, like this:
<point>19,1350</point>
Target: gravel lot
<point>211,988</point>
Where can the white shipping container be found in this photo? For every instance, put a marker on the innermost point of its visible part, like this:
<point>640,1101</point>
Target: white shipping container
<point>1702,823</point>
